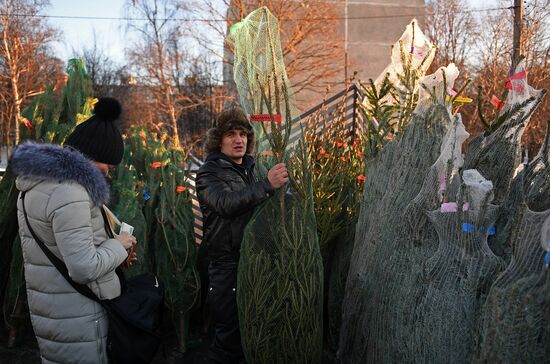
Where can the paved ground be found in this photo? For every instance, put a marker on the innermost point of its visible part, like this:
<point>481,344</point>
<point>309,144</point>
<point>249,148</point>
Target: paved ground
<point>26,350</point>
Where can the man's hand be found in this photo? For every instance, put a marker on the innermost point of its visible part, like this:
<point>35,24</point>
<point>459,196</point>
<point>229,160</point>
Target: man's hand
<point>278,175</point>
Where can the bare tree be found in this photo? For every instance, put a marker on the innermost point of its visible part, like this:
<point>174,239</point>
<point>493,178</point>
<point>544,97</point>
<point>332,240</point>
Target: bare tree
<point>156,54</point>
<point>105,74</point>
<point>176,75</point>
<point>452,28</point>
<point>25,64</point>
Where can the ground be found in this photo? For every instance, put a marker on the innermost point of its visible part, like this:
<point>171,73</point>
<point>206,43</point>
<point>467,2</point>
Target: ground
<point>26,350</point>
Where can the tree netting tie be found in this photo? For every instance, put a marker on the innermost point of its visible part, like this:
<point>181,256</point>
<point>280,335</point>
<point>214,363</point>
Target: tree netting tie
<point>471,228</point>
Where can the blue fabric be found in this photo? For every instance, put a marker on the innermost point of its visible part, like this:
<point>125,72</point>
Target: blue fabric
<point>54,162</point>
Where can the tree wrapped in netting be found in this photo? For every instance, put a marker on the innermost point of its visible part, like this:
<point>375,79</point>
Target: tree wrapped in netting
<point>455,281</point>
<point>411,56</point>
<point>49,119</point>
<point>497,152</point>
<point>514,326</point>
<point>280,274</point>
<point>382,254</point>
<point>258,62</point>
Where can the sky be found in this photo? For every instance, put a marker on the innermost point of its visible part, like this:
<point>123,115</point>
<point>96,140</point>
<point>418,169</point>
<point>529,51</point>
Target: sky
<point>110,36</point>
<point>79,33</point>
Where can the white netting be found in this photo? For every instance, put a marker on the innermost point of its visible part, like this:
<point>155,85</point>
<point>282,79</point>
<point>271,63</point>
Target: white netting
<point>435,88</point>
<point>412,48</point>
<point>512,323</point>
<point>416,285</point>
<point>497,155</point>
<point>545,235</point>
<point>411,57</point>
<point>518,88</point>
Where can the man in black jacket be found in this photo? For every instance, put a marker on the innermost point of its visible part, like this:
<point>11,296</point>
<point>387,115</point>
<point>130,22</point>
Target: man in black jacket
<point>228,192</point>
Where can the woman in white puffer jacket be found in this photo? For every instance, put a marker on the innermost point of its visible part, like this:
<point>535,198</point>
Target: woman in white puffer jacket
<point>65,190</point>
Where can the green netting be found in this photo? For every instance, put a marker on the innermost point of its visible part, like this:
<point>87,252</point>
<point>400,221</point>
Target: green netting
<point>280,284</point>
<point>259,71</point>
<point>280,274</point>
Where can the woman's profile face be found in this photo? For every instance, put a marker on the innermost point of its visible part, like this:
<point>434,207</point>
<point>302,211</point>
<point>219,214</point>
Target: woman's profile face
<point>103,167</point>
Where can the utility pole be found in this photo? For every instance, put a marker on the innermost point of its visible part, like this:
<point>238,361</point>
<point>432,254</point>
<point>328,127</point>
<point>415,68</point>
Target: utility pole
<point>518,23</point>
<point>346,42</point>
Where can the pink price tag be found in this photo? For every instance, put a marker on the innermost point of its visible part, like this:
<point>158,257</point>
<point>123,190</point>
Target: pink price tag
<point>451,91</point>
<point>442,183</point>
<point>515,86</point>
<point>449,207</point>
<point>518,76</point>
<point>453,207</point>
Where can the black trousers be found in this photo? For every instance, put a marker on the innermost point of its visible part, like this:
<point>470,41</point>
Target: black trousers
<point>222,302</point>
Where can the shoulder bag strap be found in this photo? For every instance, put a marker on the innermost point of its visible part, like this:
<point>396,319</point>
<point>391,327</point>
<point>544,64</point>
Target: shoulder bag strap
<point>61,267</point>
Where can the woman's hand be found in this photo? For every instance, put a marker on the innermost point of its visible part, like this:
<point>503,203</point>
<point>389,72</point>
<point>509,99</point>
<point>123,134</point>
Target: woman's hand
<point>126,240</point>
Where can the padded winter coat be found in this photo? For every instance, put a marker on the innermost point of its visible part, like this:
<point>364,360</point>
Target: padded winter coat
<point>64,195</point>
<point>228,193</point>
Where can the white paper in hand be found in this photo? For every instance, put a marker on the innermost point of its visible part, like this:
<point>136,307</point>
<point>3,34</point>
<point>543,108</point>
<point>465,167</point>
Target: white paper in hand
<point>126,228</point>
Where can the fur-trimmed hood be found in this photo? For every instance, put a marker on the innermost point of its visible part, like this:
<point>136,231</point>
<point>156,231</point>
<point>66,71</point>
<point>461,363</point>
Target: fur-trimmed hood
<point>32,163</point>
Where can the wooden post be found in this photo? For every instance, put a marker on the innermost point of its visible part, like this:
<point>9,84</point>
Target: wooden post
<point>518,22</point>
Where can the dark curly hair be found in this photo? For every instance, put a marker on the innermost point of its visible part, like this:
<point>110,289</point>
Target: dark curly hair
<point>227,120</point>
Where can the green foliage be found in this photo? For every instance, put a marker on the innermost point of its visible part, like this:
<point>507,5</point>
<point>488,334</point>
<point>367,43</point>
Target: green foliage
<point>150,192</point>
<point>379,115</point>
<point>51,120</point>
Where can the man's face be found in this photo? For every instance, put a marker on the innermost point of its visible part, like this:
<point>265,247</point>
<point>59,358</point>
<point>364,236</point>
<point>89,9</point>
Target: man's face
<point>234,145</point>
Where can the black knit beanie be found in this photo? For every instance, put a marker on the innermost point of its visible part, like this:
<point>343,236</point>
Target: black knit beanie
<point>98,138</point>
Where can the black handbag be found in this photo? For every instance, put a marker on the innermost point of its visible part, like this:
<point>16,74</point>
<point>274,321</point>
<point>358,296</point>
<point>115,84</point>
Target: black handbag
<point>134,317</point>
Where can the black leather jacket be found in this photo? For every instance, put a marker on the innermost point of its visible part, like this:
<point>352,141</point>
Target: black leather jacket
<point>228,193</point>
